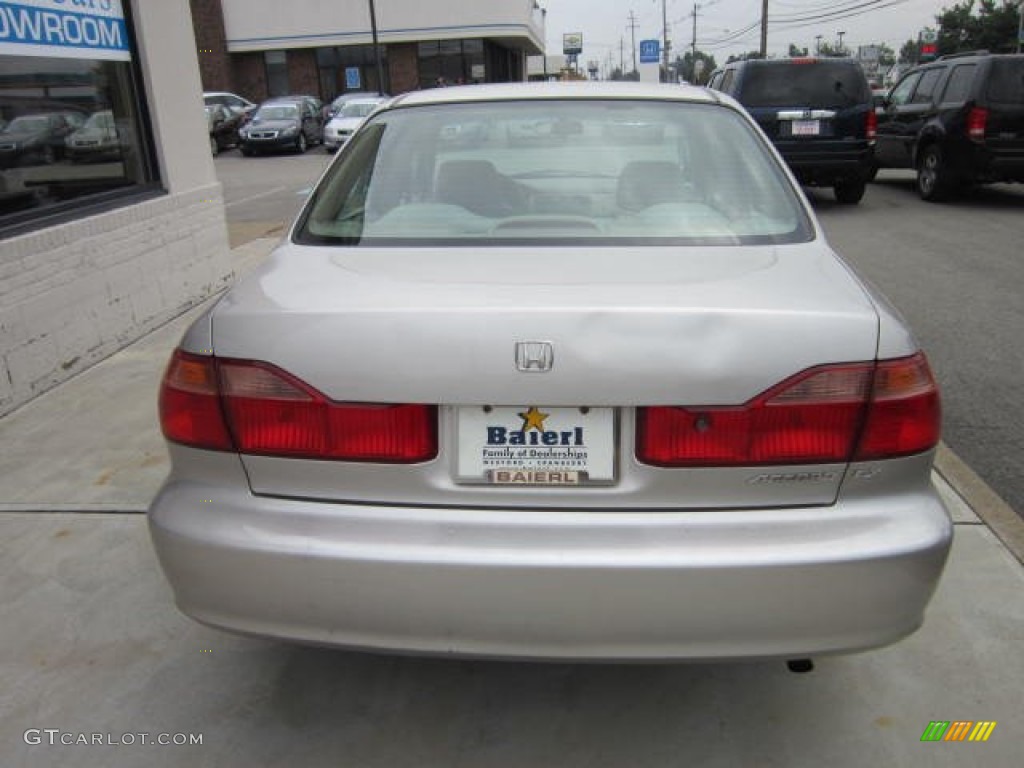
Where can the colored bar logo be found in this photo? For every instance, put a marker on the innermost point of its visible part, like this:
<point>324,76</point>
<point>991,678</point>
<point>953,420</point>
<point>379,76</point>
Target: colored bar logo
<point>958,730</point>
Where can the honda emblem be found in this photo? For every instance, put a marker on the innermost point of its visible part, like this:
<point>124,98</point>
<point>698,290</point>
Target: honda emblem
<point>534,356</point>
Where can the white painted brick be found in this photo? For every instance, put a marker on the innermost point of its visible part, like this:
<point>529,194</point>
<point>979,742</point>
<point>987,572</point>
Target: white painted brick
<point>33,365</point>
<point>74,293</point>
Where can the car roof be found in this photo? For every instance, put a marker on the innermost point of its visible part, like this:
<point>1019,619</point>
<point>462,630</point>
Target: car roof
<point>577,90</point>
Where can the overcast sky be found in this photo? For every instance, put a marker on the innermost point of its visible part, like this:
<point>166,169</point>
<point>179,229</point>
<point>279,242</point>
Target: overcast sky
<point>604,23</point>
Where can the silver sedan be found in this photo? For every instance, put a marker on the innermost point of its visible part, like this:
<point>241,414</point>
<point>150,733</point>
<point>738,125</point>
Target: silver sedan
<point>564,371</point>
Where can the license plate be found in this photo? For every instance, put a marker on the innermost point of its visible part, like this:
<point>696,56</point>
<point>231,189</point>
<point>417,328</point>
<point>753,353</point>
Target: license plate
<point>806,127</point>
<point>536,445</point>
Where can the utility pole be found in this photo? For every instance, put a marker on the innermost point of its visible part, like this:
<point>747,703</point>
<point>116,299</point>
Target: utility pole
<point>622,60</point>
<point>693,46</point>
<point>632,32</point>
<point>376,49</point>
<point>817,45</point>
<point>664,40</point>
<point>764,29</point>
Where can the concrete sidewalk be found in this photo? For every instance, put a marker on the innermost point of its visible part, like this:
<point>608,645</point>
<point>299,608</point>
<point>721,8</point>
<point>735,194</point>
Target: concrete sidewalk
<point>93,644</point>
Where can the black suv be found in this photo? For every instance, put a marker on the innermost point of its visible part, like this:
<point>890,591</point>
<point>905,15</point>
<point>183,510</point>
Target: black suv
<point>817,112</point>
<point>958,121</point>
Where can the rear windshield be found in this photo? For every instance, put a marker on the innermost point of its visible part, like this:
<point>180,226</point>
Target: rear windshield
<point>800,83</point>
<point>1006,81</point>
<point>555,172</point>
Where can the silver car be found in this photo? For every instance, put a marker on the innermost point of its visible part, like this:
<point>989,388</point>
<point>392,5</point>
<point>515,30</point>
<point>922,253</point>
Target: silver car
<point>605,393</point>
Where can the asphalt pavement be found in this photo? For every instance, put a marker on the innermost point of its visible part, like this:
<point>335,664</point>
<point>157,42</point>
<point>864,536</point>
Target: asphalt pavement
<point>99,667</point>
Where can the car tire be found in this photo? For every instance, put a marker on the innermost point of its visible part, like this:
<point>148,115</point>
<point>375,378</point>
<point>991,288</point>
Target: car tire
<point>872,173</point>
<point>935,182</point>
<point>214,147</point>
<point>300,144</point>
<point>246,151</point>
<point>49,155</point>
<point>849,191</point>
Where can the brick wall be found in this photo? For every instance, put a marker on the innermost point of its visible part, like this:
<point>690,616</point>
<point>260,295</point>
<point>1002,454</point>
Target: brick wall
<point>214,60</point>
<point>250,76</point>
<point>403,69</point>
<point>74,293</point>
<point>302,73</point>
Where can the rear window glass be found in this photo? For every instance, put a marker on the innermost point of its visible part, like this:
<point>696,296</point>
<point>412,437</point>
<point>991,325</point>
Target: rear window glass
<point>555,172</point>
<point>814,83</point>
<point>1006,81</point>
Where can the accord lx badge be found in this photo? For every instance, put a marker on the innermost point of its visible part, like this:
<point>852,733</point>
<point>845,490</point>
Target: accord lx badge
<point>534,356</point>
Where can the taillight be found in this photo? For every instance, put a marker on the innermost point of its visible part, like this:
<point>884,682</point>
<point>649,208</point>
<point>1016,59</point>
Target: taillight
<point>905,414</point>
<point>977,119</point>
<point>272,413</point>
<point>190,403</point>
<point>871,125</point>
<point>256,408</point>
<point>829,414</point>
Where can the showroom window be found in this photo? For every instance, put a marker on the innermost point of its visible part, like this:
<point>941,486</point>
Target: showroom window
<point>73,126</point>
<point>451,62</point>
<point>277,73</point>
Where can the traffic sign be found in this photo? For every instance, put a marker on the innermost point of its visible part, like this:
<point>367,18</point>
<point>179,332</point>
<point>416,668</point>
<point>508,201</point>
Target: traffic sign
<point>650,51</point>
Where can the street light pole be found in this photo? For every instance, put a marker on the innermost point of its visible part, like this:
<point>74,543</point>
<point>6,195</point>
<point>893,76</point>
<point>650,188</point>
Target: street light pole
<point>840,49</point>
<point>376,48</point>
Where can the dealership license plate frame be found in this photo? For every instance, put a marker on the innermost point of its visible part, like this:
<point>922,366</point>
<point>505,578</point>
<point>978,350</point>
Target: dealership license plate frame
<point>600,441</point>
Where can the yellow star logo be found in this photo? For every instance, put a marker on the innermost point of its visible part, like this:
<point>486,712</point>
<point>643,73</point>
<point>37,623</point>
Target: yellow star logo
<point>533,419</point>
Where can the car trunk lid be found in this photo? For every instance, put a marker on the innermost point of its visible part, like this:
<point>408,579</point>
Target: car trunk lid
<point>682,326</point>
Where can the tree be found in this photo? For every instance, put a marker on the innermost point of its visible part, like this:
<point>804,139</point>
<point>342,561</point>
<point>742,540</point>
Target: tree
<point>827,49</point>
<point>795,52</point>
<point>685,67</point>
<point>744,56</point>
<point>910,53</point>
<point>886,55</point>
<point>992,27</point>
<point>618,74</point>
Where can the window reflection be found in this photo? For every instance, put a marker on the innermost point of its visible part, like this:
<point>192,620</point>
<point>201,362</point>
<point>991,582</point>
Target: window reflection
<point>69,128</point>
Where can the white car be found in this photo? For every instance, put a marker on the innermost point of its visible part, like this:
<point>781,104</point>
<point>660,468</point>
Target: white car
<point>605,394</point>
<point>344,124</point>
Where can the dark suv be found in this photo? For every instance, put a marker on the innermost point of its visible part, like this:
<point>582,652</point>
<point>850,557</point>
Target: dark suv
<point>816,111</point>
<point>958,121</point>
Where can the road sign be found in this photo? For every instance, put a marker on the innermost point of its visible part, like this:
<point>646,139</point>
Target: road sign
<point>650,51</point>
<point>352,79</point>
<point>572,43</point>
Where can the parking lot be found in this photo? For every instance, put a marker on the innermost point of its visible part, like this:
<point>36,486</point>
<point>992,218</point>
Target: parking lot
<point>96,650</point>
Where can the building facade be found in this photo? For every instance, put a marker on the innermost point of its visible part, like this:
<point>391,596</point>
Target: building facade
<point>111,215</point>
<point>253,48</point>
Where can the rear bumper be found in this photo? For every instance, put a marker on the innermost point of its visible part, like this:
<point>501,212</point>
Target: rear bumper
<point>554,584</point>
<point>998,164</point>
<point>824,162</point>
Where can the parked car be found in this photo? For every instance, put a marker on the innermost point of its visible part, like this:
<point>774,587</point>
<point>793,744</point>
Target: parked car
<point>344,123</point>
<point>817,111</point>
<point>281,124</point>
<point>958,121</point>
<point>36,138</point>
<point>223,125</point>
<point>600,400</point>
<point>97,139</point>
<point>339,101</point>
<point>238,105</point>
